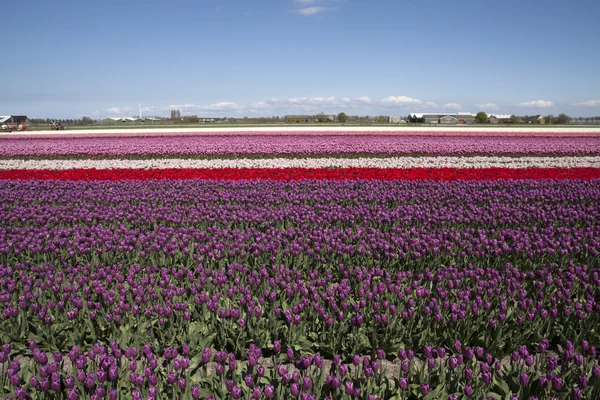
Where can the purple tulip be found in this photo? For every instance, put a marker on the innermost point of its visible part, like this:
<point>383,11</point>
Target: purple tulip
<point>524,379</point>
<point>403,383</point>
<point>73,394</point>
<point>206,354</point>
<point>343,370</point>
<point>468,374</point>
<point>453,362</point>
<point>294,389</point>
<point>349,388</point>
<point>557,383</point>
<point>468,390</point>
<point>457,346</point>
<point>269,391</point>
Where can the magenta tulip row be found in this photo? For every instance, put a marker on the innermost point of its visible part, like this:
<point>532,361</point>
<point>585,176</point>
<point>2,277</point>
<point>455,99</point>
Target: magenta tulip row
<point>120,146</point>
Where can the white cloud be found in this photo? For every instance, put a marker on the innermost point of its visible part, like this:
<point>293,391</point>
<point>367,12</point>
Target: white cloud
<point>306,2</point>
<point>308,11</point>
<point>488,106</point>
<point>358,100</point>
<point>537,104</point>
<point>121,110</point>
<point>294,105</point>
<point>589,103</point>
<point>222,106</point>
<point>405,101</point>
<point>312,100</point>
<point>452,106</point>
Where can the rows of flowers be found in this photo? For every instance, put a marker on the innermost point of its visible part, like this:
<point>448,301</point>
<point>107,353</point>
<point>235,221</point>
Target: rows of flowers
<point>185,266</point>
<point>204,145</point>
<point>306,131</point>
<point>113,372</point>
<point>298,174</point>
<point>478,162</point>
<point>303,289</point>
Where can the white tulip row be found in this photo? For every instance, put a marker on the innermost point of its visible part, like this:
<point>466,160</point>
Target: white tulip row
<point>326,129</point>
<point>390,162</point>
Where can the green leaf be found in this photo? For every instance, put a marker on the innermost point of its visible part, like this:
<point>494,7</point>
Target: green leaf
<point>501,384</point>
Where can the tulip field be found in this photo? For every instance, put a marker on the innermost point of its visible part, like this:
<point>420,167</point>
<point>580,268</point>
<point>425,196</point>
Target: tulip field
<point>300,266</point>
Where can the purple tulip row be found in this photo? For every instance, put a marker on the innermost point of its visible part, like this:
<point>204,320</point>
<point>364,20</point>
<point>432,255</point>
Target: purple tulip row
<point>296,221</point>
<point>169,145</point>
<point>344,310</point>
<point>317,265</point>
<point>109,371</point>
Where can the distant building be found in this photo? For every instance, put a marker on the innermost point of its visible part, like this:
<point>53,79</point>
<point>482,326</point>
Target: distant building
<point>128,120</point>
<point>499,118</point>
<point>175,114</point>
<point>395,119</point>
<point>13,122</point>
<point>448,119</point>
<point>442,118</point>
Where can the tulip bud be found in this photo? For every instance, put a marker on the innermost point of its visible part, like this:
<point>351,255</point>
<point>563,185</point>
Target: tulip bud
<point>269,391</point>
<point>468,390</point>
<point>294,389</point>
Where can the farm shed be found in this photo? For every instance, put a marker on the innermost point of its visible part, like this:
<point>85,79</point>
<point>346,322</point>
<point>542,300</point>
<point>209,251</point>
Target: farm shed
<point>448,119</point>
<point>499,118</point>
<point>13,122</point>
<point>436,118</point>
<point>395,119</point>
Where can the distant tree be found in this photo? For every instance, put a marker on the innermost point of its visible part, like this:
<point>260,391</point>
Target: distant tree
<point>342,117</point>
<point>321,117</point>
<point>87,121</point>
<point>562,119</point>
<point>481,117</point>
<point>191,119</point>
<point>514,119</point>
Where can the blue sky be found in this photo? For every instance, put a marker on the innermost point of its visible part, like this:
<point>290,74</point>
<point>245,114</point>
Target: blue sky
<point>67,59</point>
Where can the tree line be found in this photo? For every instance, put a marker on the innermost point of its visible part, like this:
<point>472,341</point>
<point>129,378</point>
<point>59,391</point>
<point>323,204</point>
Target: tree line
<point>482,117</point>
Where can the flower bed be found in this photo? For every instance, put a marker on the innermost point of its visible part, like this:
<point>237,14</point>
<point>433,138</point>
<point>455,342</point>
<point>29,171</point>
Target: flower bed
<point>310,162</point>
<point>308,289</point>
<point>290,174</point>
<point>261,267</point>
<point>98,146</point>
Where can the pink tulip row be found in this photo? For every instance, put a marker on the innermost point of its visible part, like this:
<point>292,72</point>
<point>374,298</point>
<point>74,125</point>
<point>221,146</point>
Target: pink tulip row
<point>295,145</point>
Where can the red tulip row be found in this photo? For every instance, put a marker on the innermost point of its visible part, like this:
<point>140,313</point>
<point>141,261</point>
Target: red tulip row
<point>289,174</point>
